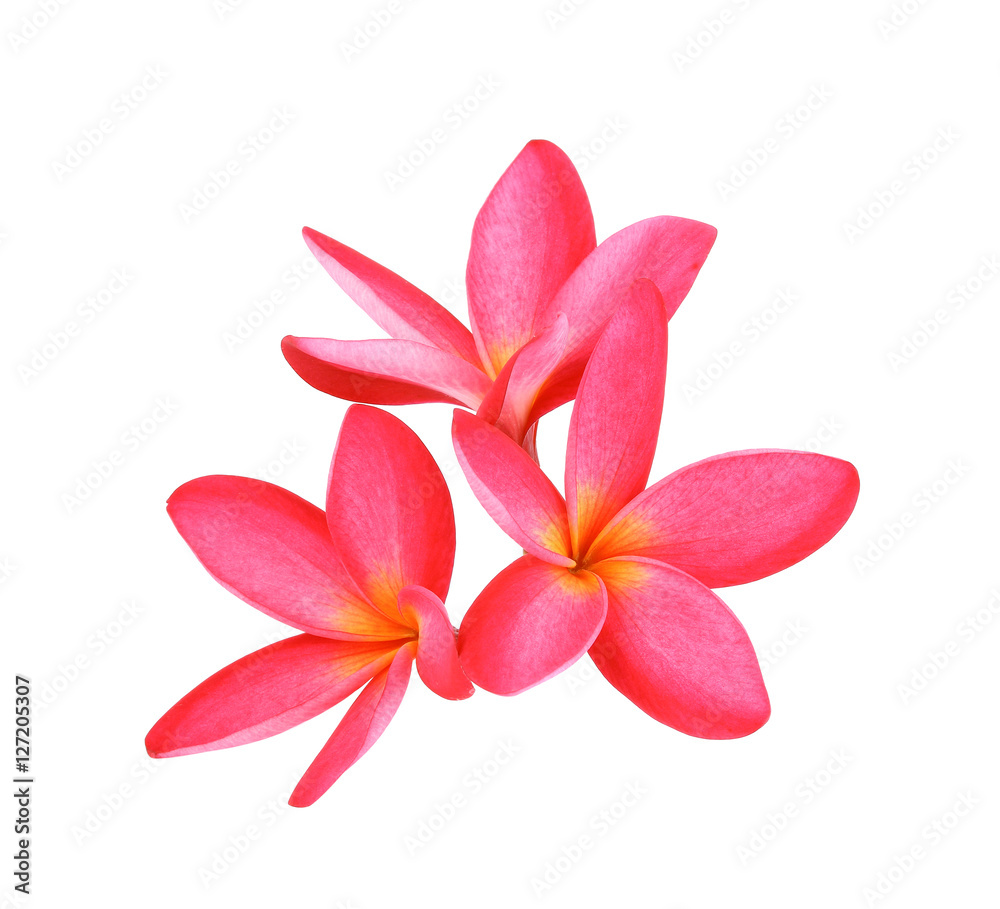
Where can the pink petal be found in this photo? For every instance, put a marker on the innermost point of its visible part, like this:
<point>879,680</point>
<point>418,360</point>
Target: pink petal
<point>388,509</point>
<point>509,403</point>
<point>267,692</point>
<point>675,650</point>
<point>401,309</point>
<point>531,622</point>
<point>365,720</point>
<point>535,228</point>
<point>736,517</point>
<point>385,371</point>
<point>273,550</point>
<point>513,489</point>
<point>616,417</point>
<point>437,650</point>
<point>668,251</point>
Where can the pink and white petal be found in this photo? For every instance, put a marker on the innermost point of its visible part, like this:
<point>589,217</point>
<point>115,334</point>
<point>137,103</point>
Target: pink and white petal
<point>385,371</point>
<point>534,229</point>
<point>404,311</point>
<point>737,517</point>
<point>437,648</point>
<point>273,550</point>
<point>531,622</point>
<point>669,251</point>
<point>365,720</point>
<point>616,417</point>
<point>675,650</point>
<point>509,403</point>
<point>513,489</point>
<point>267,692</point>
<point>388,509</point>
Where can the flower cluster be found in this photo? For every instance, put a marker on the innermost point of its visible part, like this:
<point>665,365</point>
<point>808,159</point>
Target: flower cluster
<point>611,567</point>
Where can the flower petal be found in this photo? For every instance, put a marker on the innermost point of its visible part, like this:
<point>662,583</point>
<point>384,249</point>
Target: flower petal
<point>531,622</point>
<point>273,550</point>
<point>385,371</point>
<point>669,251</point>
<point>437,650</point>
<point>509,403</point>
<point>403,310</point>
<point>365,720</point>
<point>736,517</point>
<point>513,489</point>
<point>616,417</point>
<point>533,230</point>
<point>267,692</point>
<point>675,650</point>
<point>388,509</point>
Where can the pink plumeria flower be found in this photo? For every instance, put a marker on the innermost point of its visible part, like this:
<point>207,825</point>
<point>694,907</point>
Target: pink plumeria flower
<point>625,571</point>
<point>540,292</point>
<point>365,582</point>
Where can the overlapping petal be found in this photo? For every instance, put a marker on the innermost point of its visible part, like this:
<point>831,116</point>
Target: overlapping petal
<point>675,650</point>
<point>273,550</point>
<point>737,517</point>
<point>534,229</point>
<point>513,489</point>
<point>668,251</point>
<point>616,417</point>
<point>532,621</point>
<point>388,509</point>
<point>385,371</point>
<point>437,648</point>
<point>403,310</point>
<point>365,720</point>
<point>267,692</point>
<point>511,400</point>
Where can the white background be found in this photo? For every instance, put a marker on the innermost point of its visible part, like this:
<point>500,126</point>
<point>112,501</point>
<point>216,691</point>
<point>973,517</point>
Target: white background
<point>853,632</point>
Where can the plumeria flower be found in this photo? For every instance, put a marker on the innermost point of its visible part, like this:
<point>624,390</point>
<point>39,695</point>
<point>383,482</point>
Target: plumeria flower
<point>365,582</point>
<point>626,571</point>
<point>540,291</point>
